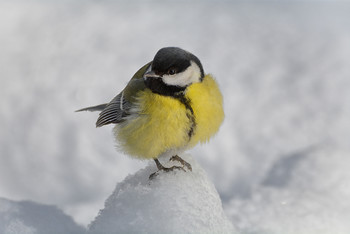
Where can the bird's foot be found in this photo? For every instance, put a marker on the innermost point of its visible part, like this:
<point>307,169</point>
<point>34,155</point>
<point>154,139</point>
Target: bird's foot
<point>168,169</point>
<point>180,160</point>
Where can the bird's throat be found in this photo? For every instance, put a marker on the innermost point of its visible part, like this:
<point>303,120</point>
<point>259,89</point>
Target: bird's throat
<point>157,85</point>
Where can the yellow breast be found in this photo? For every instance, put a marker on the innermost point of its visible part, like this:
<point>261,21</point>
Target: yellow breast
<point>207,104</point>
<point>163,124</point>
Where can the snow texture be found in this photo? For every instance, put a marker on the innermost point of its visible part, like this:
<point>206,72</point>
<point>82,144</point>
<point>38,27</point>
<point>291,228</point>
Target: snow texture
<point>27,217</point>
<point>302,203</point>
<point>173,202</point>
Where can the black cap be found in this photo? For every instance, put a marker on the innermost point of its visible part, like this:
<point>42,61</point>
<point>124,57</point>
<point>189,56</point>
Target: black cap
<point>174,60</point>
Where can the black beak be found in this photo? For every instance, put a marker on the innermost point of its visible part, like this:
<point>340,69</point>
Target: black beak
<point>150,75</point>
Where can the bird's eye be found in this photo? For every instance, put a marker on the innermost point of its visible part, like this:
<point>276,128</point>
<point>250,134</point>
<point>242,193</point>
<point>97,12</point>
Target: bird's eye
<point>171,71</point>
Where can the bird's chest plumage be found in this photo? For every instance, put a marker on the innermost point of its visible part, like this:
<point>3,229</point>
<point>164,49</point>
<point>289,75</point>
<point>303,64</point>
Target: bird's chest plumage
<point>207,104</point>
<point>160,123</point>
<point>163,123</point>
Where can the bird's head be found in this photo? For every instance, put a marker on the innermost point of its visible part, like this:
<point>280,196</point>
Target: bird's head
<point>172,71</point>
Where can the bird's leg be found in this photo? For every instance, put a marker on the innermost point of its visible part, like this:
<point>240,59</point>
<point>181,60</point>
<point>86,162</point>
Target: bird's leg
<point>162,168</point>
<point>180,160</point>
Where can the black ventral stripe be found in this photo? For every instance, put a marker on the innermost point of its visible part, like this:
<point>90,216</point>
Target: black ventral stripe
<point>156,85</point>
<point>190,115</point>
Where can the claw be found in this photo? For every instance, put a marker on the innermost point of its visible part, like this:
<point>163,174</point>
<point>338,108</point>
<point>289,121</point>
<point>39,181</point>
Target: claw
<point>166,169</point>
<point>180,160</point>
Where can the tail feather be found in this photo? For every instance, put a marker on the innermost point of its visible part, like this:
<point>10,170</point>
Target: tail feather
<point>94,108</point>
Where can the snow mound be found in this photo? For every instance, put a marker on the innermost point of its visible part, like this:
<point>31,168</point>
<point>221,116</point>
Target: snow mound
<point>314,199</point>
<point>173,202</point>
<point>26,217</point>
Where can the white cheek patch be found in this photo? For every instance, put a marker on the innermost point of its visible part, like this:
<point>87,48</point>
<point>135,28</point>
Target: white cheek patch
<point>191,75</point>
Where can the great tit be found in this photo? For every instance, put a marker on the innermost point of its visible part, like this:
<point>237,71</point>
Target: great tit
<point>168,106</point>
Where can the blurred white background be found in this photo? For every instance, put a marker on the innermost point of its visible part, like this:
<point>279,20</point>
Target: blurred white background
<point>281,157</point>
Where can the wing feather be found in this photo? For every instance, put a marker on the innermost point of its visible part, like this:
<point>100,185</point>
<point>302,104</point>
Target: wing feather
<point>113,112</point>
<point>94,108</point>
<point>116,111</point>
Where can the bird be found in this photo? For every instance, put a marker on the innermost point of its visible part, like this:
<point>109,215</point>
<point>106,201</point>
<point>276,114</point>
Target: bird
<point>169,106</point>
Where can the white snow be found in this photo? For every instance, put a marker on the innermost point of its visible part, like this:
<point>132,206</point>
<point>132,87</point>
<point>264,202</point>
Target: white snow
<point>298,201</point>
<point>173,202</point>
<point>27,217</point>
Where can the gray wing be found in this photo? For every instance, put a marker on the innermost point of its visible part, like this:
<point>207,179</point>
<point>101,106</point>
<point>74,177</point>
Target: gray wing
<point>115,111</point>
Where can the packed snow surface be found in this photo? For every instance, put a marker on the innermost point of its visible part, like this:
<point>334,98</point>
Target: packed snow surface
<point>173,202</point>
<point>27,217</point>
